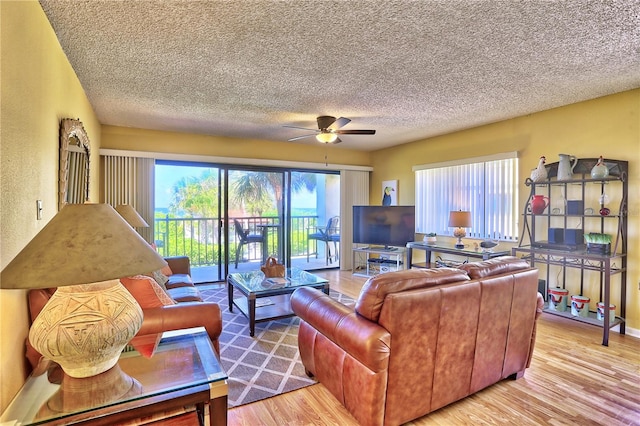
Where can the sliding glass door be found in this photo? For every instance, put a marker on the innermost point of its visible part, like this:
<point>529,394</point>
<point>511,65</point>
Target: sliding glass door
<point>255,217</point>
<point>188,210</point>
<point>315,220</point>
<point>231,218</point>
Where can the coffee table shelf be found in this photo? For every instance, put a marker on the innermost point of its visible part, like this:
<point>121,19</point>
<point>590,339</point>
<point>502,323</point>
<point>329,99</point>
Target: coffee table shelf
<point>280,307</point>
<point>255,287</point>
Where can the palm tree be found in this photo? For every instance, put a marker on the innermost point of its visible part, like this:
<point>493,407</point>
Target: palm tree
<point>257,191</point>
<point>196,196</point>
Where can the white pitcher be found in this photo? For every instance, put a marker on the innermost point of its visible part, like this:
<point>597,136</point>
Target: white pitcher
<point>565,166</point>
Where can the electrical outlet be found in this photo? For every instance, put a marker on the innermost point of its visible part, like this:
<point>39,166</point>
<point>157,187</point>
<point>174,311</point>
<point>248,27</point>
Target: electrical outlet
<point>39,209</point>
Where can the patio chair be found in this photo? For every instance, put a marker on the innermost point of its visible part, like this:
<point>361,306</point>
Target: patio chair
<point>327,234</point>
<point>245,238</point>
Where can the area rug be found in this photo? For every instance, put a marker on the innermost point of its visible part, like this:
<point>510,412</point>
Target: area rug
<point>265,365</point>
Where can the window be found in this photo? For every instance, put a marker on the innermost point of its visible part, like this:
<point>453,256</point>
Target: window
<point>487,187</point>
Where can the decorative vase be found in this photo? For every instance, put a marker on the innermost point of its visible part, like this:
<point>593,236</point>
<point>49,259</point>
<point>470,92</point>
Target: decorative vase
<point>600,170</point>
<point>565,166</point>
<point>539,203</point>
<point>85,327</point>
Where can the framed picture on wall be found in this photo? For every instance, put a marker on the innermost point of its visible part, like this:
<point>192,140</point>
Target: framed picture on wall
<point>390,193</point>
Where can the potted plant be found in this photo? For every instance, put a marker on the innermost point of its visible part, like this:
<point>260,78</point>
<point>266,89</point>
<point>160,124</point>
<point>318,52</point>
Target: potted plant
<point>430,238</point>
<point>598,243</point>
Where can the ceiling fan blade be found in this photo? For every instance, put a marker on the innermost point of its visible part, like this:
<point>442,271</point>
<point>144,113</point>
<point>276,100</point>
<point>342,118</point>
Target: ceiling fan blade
<point>301,128</point>
<point>338,140</point>
<point>356,132</point>
<point>300,137</point>
<point>340,122</point>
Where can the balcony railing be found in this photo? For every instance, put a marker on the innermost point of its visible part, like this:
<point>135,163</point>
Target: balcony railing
<point>202,239</point>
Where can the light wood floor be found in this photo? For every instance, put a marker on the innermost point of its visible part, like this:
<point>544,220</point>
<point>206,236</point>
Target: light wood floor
<point>573,380</point>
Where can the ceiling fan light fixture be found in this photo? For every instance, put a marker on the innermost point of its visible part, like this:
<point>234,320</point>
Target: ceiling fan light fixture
<point>326,137</point>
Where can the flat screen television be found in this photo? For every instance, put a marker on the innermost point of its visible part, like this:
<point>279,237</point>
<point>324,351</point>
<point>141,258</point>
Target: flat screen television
<point>388,226</point>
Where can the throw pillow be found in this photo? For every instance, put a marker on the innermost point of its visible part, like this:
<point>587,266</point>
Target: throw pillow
<point>166,270</point>
<point>146,291</point>
<point>160,278</point>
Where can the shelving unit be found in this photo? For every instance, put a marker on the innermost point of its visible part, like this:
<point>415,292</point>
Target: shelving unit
<point>371,261</point>
<point>583,190</point>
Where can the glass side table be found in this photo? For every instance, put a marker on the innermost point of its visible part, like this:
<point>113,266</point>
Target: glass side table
<point>182,372</point>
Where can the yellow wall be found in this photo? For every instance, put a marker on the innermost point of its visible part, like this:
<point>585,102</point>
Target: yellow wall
<point>38,88</point>
<point>184,143</point>
<point>608,126</point>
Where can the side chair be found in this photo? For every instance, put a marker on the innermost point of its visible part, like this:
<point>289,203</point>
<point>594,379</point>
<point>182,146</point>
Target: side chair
<point>245,238</point>
<point>327,234</point>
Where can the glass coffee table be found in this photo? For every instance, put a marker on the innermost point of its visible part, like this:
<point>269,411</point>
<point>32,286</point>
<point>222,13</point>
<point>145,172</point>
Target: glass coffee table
<point>265,299</point>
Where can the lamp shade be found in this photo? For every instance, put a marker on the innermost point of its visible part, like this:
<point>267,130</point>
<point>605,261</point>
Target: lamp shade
<point>326,137</point>
<point>83,243</point>
<point>131,216</point>
<point>460,219</point>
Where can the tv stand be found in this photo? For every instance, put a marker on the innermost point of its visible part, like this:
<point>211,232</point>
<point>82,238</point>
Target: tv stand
<point>371,261</point>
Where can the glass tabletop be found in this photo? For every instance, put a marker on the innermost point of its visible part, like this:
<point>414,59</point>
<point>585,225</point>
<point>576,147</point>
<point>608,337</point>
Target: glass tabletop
<point>452,248</point>
<point>180,361</point>
<point>257,282</point>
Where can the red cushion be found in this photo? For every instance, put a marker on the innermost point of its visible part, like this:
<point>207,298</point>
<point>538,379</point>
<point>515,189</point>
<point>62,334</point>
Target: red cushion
<point>146,291</point>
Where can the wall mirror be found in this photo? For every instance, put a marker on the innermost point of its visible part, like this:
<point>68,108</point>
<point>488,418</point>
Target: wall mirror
<point>74,163</point>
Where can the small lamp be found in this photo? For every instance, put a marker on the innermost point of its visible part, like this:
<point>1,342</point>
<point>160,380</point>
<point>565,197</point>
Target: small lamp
<point>83,250</point>
<point>460,220</point>
<point>326,137</point>
<point>131,216</point>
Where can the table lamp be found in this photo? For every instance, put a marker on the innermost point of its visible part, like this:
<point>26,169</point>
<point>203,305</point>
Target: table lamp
<point>83,251</point>
<point>132,217</point>
<point>460,220</point>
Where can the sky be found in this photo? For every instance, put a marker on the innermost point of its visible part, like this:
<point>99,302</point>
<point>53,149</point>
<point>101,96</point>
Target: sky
<point>168,175</point>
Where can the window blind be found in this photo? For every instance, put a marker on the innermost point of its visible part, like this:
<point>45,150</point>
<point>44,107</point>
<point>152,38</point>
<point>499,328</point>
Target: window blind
<point>486,188</point>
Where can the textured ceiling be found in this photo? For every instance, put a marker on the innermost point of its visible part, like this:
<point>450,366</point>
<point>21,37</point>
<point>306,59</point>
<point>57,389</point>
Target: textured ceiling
<point>409,69</point>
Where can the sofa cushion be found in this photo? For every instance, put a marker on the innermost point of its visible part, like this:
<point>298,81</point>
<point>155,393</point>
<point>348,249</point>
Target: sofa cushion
<point>146,291</point>
<point>374,291</point>
<point>179,280</point>
<point>185,294</point>
<point>495,266</point>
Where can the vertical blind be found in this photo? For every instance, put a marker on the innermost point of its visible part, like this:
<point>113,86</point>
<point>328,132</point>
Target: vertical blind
<point>130,180</point>
<point>77,176</point>
<point>354,191</point>
<point>488,188</point>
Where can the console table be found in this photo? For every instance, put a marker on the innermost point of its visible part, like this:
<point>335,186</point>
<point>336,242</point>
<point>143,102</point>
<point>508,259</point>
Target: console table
<point>448,249</point>
<point>181,377</point>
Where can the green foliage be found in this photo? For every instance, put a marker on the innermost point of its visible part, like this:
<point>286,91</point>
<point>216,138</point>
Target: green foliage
<point>191,227</point>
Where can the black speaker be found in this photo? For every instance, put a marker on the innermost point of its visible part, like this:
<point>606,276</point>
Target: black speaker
<point>556,235</point>
<point>542,289</point>
<point>573,236</point>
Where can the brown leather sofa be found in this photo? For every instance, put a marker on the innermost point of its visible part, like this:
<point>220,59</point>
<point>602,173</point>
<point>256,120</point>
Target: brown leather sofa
<point>420,339</point>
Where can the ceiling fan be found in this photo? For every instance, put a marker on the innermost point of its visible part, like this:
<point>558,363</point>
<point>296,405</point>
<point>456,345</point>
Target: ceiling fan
<point>329,129</point>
